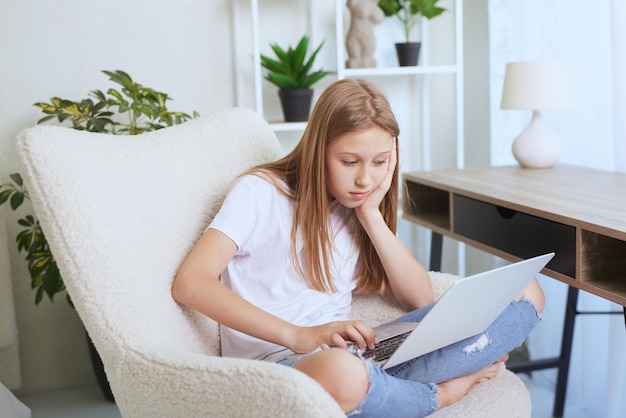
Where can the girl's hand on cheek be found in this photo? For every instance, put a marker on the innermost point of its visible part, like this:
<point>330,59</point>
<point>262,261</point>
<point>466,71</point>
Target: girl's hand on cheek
<point>372,203</point>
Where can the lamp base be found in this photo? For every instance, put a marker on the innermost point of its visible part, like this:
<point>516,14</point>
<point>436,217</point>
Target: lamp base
<point>537,146</point>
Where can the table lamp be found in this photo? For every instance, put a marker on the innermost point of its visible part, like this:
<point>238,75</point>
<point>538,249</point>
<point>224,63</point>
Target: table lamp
<point>536,86</point>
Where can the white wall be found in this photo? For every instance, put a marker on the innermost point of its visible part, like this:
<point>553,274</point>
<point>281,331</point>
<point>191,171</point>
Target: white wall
<point>579,35</point>
<point>192,50</point>
<point>57,48</point>
<point>199,54</point>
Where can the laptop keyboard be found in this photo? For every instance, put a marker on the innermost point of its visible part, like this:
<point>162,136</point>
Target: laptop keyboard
<point>385,348</point>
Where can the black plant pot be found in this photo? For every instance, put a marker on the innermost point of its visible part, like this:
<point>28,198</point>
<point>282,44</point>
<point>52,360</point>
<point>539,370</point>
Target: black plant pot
<point>98,368</point>
<point>296,104</point>
<point>408,53</point>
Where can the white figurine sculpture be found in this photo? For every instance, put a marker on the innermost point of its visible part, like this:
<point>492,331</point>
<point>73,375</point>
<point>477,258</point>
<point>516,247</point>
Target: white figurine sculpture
<point>360,41</point>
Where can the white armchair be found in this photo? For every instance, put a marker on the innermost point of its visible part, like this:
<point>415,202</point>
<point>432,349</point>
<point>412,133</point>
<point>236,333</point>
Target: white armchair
<point>121,213</point>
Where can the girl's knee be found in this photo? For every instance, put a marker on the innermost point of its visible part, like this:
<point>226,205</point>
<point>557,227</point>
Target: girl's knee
<point>343,375</point>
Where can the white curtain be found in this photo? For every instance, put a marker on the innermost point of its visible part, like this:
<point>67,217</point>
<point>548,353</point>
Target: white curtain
<point>618,36</point>
<point>616,376</point>
<point>589,36</point>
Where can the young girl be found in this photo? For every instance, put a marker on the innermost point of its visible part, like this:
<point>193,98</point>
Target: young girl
<point>296,237</point>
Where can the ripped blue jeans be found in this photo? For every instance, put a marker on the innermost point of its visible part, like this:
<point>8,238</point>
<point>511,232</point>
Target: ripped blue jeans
<point>409,389</point>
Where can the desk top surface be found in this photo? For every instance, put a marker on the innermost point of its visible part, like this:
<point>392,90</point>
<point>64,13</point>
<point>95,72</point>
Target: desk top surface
<point>578,196</point>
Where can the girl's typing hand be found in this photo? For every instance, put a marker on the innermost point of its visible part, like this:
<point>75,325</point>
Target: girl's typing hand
<point>337,334</point>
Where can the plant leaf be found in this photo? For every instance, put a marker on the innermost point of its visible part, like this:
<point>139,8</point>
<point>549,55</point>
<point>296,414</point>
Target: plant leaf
<point>306,80</point>
<point>429,8</point>
<point>24,240</point>
<point>52,282</point>
<point>4,195</point>
<point>273,65</point>
<point>39,295</point>
<point>297,58</point>
<point>17,179</point>
<point>389,7</point>
<point>282,81</point>
<point>313,78</point>
<point>46,118</point>
<point>23,222</point>
<point>16,200</point>
<point>291,71</point>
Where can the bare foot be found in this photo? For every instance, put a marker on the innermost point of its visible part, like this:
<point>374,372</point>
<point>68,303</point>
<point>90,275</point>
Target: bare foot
<point>453,390</point>
<point>502,359</point>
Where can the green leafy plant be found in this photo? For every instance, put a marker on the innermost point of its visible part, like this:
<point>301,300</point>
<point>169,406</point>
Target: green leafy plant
<point>133,109</point>
<point>45,276</point>
<point>140,108</point>
<point>408,11</point>
<point>292,70</point>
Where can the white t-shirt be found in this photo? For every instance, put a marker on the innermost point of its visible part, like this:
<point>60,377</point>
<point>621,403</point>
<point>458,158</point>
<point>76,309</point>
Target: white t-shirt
<point>258,218</point>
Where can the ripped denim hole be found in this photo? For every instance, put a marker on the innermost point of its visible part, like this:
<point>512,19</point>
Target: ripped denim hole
<point>478,345</point>
<point>359,408</point>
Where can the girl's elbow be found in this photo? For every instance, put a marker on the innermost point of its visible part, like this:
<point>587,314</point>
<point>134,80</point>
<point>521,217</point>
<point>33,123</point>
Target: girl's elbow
<point>180,289</point>
<point>420,301</point>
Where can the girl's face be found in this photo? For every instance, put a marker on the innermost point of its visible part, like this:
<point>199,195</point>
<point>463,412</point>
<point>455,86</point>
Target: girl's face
<point>357,163</point>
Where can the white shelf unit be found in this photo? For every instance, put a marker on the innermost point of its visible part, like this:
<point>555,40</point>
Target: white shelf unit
<point>424,70</point>
<point>256,53</point>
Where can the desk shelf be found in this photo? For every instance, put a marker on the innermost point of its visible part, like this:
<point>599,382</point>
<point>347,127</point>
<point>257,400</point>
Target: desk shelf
<point>428,206</point>
<point>516,214</point>
<point>603,264</point>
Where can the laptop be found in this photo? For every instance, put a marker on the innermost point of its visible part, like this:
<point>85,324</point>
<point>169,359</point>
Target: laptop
<point>467,308</point>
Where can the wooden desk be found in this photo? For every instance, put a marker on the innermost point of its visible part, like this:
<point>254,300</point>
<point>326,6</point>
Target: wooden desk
<point>514,213</point>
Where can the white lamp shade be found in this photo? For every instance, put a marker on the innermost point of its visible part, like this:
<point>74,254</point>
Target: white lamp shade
<point>536,85</point>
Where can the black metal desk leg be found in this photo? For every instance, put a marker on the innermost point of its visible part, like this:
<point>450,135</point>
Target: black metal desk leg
<point>436,248</point>
<point>566,351</point>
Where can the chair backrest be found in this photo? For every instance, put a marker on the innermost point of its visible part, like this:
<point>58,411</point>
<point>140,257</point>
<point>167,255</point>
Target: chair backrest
<point>120,214</point>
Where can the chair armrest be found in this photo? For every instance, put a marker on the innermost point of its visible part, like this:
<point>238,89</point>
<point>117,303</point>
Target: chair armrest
<point>175,384</point>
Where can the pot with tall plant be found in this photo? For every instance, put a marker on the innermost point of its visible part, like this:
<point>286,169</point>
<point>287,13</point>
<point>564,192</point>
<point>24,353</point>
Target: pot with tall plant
<point>129,110</point>
<point>408,13</point>
<point>293,74</point>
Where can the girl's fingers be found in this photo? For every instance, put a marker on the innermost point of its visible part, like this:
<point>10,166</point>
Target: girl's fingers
<point>338,341</point>
<point>361,334</point>
<point>367,333</point>
<point>357,332</point>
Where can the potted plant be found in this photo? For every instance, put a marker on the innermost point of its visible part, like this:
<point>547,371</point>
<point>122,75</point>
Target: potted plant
<point>131,110</point>
<point>408,13</point>
<point>292,73</point>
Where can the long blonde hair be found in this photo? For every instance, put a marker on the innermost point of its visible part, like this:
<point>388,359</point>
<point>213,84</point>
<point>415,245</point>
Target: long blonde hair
<point>345,106</point>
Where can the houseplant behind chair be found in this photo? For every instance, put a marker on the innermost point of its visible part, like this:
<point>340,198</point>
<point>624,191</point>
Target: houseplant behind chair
<point>292,74</point>
<point>130,109</point>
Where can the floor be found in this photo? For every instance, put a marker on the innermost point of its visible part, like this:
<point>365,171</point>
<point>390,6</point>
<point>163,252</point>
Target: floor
<point>87,402</point>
